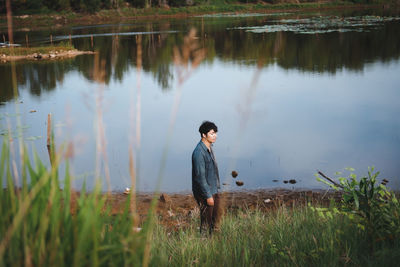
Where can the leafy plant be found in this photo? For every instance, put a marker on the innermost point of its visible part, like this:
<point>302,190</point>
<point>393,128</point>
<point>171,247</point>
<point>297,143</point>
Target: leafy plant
<point>374,208</point>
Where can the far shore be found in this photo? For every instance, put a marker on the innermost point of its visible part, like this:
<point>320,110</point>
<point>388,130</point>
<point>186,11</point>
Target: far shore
<point>54,20</point>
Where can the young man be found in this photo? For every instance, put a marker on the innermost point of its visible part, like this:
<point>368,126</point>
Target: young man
<point>205,177</point>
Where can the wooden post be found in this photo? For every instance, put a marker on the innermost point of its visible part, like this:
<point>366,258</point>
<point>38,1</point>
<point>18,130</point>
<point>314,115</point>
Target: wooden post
<point>49,137</point>
<point>27,40</point>
<point>51,39</point>
<point>4,38</point>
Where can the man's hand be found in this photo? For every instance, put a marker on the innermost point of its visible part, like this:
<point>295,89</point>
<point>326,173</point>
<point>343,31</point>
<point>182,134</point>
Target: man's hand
<point>210,201</point>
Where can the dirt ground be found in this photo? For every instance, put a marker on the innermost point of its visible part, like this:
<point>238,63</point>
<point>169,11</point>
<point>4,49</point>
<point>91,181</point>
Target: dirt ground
<point>177,210</point>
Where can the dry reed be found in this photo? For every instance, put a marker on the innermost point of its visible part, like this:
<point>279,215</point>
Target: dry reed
<point>99,75</point>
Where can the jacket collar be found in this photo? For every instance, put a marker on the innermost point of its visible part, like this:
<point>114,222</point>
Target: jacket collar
<point>203,146</point>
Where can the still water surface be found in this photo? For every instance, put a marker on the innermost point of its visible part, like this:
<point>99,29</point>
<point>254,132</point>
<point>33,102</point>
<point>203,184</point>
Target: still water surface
<point>290,93</point>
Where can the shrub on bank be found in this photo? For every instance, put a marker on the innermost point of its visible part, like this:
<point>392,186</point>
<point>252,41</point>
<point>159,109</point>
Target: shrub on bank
<point>20,7</point>
<point>369,205</point>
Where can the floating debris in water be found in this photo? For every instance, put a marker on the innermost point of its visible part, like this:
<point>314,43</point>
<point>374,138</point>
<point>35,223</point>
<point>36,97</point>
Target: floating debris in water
<point>239,183</point>
<point>234,174</point>
<point>32,111</point>
<point>275,180</point>
<point>225,184</point>
<point>321,24</point>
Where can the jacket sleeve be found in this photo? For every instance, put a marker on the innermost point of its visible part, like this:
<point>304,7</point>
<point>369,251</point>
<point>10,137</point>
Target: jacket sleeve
<point>199,171</point>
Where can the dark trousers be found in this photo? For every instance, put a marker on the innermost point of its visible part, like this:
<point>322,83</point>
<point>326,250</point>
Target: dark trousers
<point>209,215</point>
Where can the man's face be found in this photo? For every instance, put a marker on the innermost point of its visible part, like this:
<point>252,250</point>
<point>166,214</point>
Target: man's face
<point>211,136</point>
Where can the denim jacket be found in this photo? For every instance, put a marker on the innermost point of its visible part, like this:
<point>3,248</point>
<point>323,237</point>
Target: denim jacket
<point>205,177</point>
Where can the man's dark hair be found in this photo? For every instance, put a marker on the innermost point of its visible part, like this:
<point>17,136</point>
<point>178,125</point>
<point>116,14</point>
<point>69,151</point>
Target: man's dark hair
<point>207,126</point>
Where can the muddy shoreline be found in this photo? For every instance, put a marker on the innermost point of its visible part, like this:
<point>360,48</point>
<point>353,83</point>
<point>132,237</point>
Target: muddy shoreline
<point>176,210</point>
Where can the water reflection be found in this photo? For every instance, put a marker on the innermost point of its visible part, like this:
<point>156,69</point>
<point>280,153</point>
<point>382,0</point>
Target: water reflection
<point>293,129</point>
<point>321,53</point>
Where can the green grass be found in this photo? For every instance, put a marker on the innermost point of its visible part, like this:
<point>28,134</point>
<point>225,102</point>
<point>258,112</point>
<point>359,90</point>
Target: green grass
<point>24,51</point>
<point>213,8</point>
<point>298,237</point>
<point>37,227</point>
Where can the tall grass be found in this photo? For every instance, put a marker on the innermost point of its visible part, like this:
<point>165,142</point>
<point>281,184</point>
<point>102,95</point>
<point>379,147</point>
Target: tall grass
<point>298,237</point>
<point>38,227</point>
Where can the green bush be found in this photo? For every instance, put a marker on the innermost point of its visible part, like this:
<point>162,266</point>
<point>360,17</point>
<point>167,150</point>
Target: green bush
<point>248,1</point>
<point>137,3</point>
<point>57,4</point>
<point>90,5</point>
<point>370,205</point>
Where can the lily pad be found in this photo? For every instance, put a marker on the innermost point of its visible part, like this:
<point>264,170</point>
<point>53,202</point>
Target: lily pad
<point>317,25</point>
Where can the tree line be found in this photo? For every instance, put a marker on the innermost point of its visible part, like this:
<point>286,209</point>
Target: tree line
<point>90,6</point>
<point>43,6</point>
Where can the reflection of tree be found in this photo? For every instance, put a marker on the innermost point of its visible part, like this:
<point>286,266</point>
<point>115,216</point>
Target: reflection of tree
<point>6,92</point>
<point>334,51</point>
<point>317,53</point>
<point>35,76</point>
<point>163,75</point>
<point>45,76</point>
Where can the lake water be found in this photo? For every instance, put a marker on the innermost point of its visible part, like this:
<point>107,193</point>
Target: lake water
<point>290,93</point>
